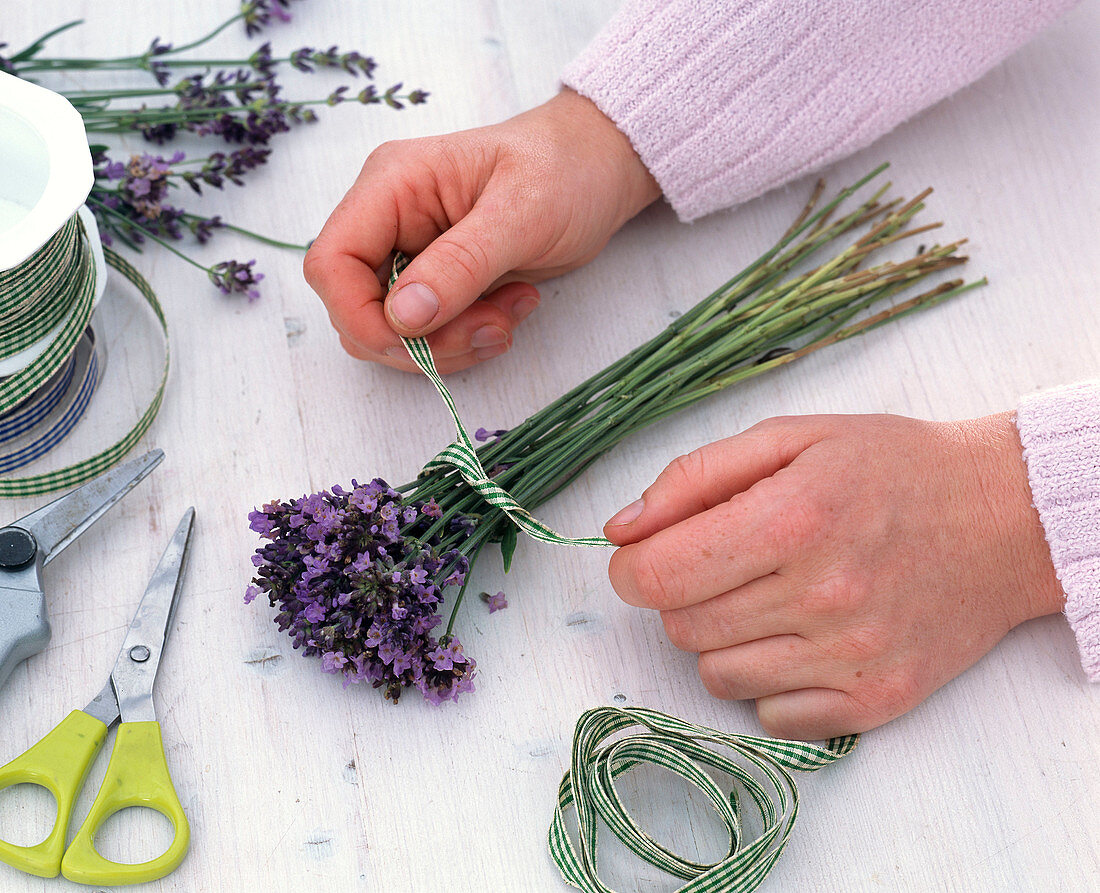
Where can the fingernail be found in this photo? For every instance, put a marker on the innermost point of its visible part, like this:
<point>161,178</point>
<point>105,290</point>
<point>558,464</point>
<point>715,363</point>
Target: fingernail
<point>487,353</point>
<point>523,308</point>
<point>414,306</point>
<point>627,515</point>
<point>488,336</point>
<point>398,353</point>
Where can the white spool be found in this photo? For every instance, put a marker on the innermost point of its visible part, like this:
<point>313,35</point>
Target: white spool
<point>45,175</point>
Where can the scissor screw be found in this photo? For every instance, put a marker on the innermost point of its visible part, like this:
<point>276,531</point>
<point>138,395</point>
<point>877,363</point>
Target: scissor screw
<point>139,653</point>
<point>17,548</point>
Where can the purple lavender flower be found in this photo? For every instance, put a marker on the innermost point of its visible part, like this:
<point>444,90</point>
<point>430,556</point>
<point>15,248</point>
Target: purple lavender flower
<point>356,588</point>
<point>135,205</point>
<point>496,602</point>
<point>402,662</point>
<point>202,228</point>
<point>301,59</point>
<point>113,170</point>
<point>145,183</point>
<point>232,277</point>
<point>333,661</point>
<point>390,97</point>
<point>263,62</point>
<point>484,435</point>
<point>441,658</point>
<point>260,521</point>
<point>307,59</point>
<point>159,70</point>
<point>315,567</point>
<point>257,14</point>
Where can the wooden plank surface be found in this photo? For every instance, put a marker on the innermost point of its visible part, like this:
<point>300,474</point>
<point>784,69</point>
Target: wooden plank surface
<point>295,783</point>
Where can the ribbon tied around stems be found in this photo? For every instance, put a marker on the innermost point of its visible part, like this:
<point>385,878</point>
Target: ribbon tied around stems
<point>760,768</point>
<point>462,456</point>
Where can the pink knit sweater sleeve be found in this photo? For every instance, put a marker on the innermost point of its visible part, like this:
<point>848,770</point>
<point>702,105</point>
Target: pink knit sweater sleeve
<point>1060,431</point>
<point>725,99</point>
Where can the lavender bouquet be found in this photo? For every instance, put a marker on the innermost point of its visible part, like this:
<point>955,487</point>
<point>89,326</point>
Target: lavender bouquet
<point>236,102</point>
<point>360,576</point>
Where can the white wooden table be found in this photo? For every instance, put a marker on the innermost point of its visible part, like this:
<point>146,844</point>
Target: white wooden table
<point>294,783</point>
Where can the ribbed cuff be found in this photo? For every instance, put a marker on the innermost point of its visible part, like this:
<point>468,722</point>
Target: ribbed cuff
<point>705,92</point>
<point>726,99</point>
<point>1060,431</point>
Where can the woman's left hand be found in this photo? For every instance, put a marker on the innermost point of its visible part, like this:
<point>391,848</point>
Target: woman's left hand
<point>839,569</point>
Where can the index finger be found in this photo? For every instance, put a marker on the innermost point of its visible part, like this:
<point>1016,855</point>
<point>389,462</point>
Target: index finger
<point>353,295</point>
<point>357,240</point>
<point>340,265</point>
<point>703,556</point>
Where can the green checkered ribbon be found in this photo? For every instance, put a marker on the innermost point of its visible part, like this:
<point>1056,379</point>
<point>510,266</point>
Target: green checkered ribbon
<point>56,287</point>
<point>462,455</point>
<point>760,770</point>
<point>38,293</point>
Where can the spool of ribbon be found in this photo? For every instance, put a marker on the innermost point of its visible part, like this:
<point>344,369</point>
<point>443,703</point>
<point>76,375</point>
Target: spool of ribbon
<point>46,304</point>
<point>39,423</point>
<point>52,272</point>
<point>759,769</point>
<point>16,389</point>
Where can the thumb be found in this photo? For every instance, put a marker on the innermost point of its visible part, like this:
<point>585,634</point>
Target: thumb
<point>713,474</point>
<point>450,274</point>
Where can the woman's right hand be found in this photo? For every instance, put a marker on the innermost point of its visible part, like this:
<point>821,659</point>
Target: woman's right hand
<point>484,213</point>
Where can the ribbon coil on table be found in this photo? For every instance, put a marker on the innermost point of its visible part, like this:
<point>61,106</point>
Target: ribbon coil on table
<point>683,748</point>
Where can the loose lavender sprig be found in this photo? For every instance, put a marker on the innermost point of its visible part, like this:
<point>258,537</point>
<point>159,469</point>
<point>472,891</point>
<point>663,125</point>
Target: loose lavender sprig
<point>233,100</point>
<point>131,200</point>
<point>255,14</point>
<point>236,106</point>
<point>765,317</point>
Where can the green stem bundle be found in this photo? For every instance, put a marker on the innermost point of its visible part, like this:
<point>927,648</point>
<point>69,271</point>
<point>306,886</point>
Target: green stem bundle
<point>764,317</point>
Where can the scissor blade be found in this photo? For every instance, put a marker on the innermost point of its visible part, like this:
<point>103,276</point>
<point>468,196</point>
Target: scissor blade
<point>104,706</point>
<point>56,525</point>
<point>136,668</point>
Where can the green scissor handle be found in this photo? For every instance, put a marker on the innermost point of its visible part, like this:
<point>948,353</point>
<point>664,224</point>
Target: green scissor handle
<point>137,775</point>
<point>59,763</point>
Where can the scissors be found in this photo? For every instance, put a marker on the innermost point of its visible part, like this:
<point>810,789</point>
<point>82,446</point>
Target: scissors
<point>29,544</point>
<point>137,774</point>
